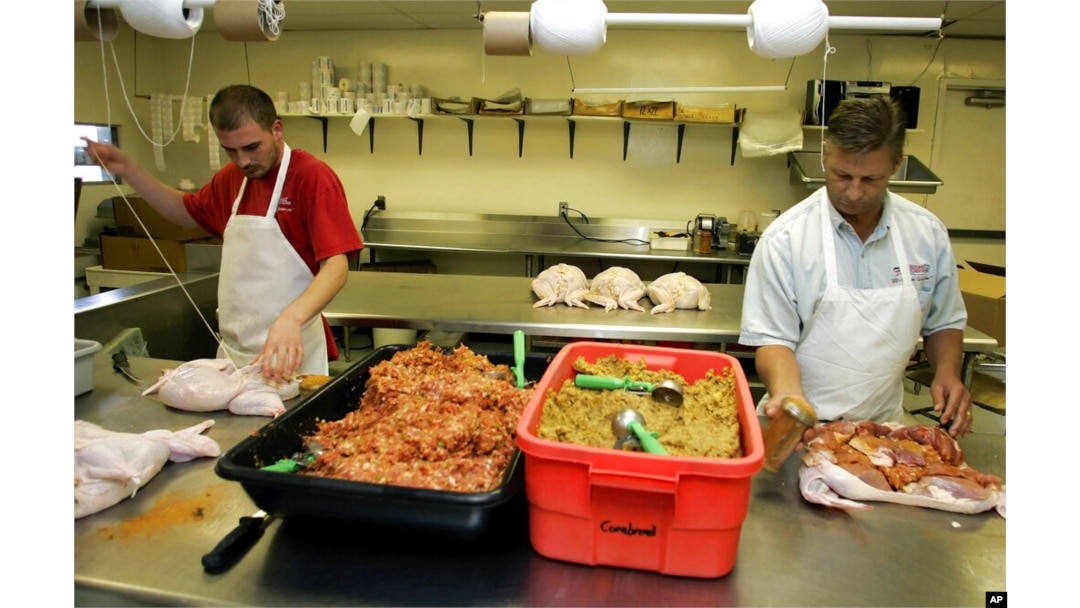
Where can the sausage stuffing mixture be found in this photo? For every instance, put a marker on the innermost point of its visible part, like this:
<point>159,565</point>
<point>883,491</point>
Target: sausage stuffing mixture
<point>707,424</point>
<point>427,419</point>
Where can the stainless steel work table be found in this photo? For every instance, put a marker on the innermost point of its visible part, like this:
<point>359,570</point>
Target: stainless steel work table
<point>484,304</point>
<point>147,549</point>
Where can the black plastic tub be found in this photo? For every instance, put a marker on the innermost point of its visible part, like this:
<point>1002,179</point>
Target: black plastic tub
<point>459,515</point>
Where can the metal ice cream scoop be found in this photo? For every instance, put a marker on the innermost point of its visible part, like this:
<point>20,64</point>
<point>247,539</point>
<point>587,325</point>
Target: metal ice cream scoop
<point>628,426</point>
<point>667,391</point>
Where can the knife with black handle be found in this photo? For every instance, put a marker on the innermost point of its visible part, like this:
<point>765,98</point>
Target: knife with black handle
<point>237,542</point>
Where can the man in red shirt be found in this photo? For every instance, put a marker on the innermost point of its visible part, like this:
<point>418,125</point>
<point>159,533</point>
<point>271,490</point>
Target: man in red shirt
<point>286,228</point>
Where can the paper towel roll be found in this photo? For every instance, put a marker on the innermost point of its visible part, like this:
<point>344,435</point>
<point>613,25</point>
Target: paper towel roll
<point>162,18</point>
<point>94,23</point>
<point>507,34</point>
<point>241,21</point>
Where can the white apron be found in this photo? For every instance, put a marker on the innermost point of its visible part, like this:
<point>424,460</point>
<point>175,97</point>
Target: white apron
<point>859,341</point>
<point>261,274</point>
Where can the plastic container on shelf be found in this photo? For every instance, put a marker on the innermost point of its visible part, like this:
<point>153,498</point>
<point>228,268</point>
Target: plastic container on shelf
<point>84,365</point>
<point>670,514</point>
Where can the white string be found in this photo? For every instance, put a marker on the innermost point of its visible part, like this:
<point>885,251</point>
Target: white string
<point>123,89</point>
<point>829,49</point>
<point>112,178</point>
<point>179,283</point>
<point>271,14</point>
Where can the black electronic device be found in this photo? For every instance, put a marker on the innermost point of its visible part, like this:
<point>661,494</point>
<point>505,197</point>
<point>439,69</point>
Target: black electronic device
<point>822,97</point>
<point>908,98</point>
<point>745,242</point>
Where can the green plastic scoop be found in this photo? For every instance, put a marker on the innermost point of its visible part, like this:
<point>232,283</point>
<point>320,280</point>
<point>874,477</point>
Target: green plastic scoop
<point>298,461</point>
<point>628,425</point>
<point>667,391</point>
<point>519,358</point>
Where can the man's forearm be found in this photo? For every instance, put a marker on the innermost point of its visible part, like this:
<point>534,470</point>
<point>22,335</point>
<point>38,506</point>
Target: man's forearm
<point>945,352</point>
<point>167,201</point>
<point>779,371</point>
<point>333,272</point>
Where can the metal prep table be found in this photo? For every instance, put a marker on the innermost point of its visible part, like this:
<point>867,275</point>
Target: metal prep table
<point>480,304</point>
<point>535,238</point>
<point>146,550</point>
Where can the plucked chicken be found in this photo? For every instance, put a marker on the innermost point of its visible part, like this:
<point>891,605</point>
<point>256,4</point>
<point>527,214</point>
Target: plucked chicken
<point>207,385</point>
<point>678,290</point>
<point>111,466</point>
<point>561,283</point>
<point>617,287</point>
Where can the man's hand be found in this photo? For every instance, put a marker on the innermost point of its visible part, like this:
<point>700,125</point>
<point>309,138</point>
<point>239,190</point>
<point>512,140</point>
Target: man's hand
<point>283,352</point>
<point>772,409</point>
<point>106,156</point>
<point>953,400</point>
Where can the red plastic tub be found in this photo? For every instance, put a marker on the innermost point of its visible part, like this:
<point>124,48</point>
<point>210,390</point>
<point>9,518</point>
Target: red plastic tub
<point>669,514</point>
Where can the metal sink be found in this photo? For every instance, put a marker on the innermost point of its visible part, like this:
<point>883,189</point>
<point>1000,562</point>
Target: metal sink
<point>912,176</point>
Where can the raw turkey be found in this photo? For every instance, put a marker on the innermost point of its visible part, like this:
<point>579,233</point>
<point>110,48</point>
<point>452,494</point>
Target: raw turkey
<point>111,466</point>
<point>561,283</point>
<point>617,287</point>
<point>678,290</point>
<point>207,385</point>
<point>847,462</point>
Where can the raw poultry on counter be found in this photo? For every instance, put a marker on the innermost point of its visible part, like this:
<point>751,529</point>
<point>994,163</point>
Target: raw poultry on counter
<point>561,283</point>
<point>207,385</point>
<point>111,466</point>
<point>618,287</point>
<point>916,465</point>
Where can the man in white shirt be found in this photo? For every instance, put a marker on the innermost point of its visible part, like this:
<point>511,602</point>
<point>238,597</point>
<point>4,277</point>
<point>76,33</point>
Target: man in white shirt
<point>842,286</point>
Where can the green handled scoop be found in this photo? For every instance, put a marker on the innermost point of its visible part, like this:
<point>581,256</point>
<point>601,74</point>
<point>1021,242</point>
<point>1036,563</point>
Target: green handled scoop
<point>667,391</point>
<point>519,358</point>
<point>629,425</point>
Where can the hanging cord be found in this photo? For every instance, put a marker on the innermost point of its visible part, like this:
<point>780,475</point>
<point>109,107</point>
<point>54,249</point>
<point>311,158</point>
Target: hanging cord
<point>829,49</point>
<point>573,84</point>
<point>183,102</point>
<point>566,219</point>
<point>112,178</point>
<point>214,334</point>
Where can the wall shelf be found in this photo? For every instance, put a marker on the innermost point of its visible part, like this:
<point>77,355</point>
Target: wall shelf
<point>521,120</point>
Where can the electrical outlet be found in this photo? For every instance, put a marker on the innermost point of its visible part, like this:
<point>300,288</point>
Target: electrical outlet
<point>564,209</point>
<point>380,202</point>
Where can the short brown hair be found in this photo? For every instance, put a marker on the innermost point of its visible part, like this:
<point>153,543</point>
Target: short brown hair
<point>867,124</point>
<point>237,104</point>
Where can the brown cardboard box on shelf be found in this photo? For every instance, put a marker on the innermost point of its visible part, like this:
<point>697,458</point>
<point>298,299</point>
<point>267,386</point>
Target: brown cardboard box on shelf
<point>597,108</point>
<point>139,253</point>
<point>649,110</point>
<point>726,113</point>
<point>984,296</point>
<point>127,223</point>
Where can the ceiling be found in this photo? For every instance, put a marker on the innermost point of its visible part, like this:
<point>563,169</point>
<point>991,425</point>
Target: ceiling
<point>964,19</point>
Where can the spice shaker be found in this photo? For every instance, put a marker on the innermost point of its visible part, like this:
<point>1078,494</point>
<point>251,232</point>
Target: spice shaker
<point>784,431</point>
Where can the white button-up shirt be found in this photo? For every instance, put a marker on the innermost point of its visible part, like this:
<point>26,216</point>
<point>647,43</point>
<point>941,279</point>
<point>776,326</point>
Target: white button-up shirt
<point>786,277</point>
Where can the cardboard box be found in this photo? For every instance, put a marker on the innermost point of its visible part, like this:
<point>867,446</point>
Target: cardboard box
<point>548,107</point>
<point>984,296</point>
<point>726,113</point>
<point>649,110</point>
<point>597,108</point>
<point>127,223</point>
<point>136,253</point>
<point>455,105</point>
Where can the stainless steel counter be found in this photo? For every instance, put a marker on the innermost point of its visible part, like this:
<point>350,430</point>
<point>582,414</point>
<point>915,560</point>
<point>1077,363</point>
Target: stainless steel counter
<point>147,549</point>
<point>535,238</point>
<point>503,304</point>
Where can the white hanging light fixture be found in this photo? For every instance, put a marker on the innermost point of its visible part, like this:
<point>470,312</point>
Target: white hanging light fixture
<point>775,28</point>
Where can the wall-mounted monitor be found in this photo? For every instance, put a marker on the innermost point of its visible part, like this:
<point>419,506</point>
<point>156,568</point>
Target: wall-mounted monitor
<point>85,168</point>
